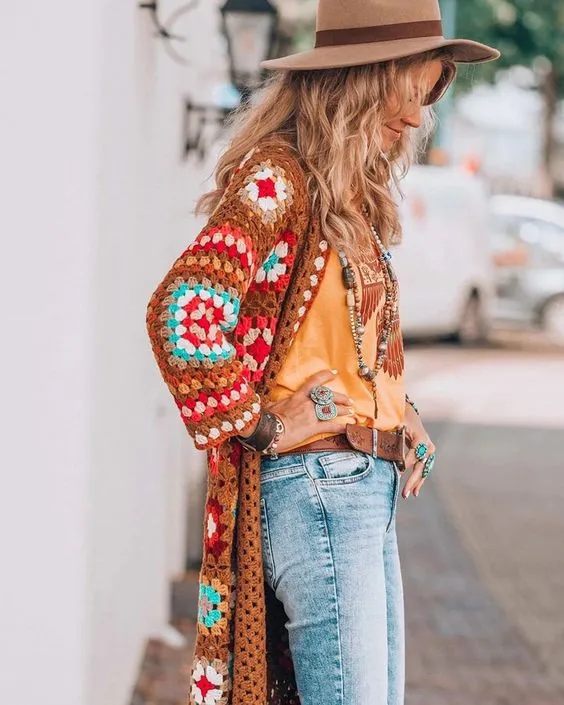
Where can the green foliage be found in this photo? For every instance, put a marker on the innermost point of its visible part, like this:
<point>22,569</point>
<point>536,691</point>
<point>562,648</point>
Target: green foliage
<point>522,30</point>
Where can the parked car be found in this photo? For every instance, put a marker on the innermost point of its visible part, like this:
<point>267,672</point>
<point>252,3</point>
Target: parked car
<point>443,263</point>
<point>527,245</point>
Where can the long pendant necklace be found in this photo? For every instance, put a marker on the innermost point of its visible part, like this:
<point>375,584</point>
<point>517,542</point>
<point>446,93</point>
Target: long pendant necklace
<point>354,310</point>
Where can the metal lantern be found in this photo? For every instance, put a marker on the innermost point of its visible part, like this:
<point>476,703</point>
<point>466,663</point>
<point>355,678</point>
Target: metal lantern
<point>251,31</point>
<point>250,27</point>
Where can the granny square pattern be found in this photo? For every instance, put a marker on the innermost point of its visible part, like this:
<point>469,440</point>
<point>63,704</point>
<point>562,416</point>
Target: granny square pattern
<point>267,192</point>
<point>219,324</point>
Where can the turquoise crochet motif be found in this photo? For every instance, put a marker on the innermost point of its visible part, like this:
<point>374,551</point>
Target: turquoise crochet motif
<point>209,600</point>
<point>198,319</point>
<point>271,262</point>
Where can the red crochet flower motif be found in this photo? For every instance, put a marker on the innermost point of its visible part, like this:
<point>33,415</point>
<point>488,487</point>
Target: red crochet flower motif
<point>267,192</point>
<point>255,335</point>
<point>266,188</point>
<point>214,529</point>
<point>209,682</point>
<point>204,686</point>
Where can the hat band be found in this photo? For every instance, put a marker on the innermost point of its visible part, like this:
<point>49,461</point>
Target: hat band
<point>380,33</point>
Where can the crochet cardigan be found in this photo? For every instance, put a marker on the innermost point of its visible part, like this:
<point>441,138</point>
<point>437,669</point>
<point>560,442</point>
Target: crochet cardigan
<point>220,324</point>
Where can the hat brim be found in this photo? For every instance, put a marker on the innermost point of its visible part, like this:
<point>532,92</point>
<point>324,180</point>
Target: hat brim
<point>464,51</point>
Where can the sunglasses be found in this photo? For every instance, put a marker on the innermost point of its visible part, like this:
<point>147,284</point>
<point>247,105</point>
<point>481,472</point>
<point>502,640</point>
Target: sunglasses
<point>441,86</point>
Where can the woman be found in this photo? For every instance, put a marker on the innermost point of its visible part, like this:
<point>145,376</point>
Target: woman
<point>277,332</point>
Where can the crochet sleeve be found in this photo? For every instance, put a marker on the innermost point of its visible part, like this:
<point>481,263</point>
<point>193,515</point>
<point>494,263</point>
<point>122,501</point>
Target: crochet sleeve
<point>192,314</point>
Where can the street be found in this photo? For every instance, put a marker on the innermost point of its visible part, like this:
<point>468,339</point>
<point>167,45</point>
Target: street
<point>481,546</point>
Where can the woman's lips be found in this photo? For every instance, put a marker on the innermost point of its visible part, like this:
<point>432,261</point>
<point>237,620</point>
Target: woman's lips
<point>396,133</point>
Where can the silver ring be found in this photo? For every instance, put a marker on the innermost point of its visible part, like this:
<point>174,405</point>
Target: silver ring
<point>321,395</point>
<point>326,412</point>
<point>325,407</point>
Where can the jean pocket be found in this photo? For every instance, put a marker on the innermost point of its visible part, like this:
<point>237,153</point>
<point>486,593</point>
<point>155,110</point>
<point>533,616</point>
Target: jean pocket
<point>343,467</point>
<point>282,466</point>
<point>267,555</point>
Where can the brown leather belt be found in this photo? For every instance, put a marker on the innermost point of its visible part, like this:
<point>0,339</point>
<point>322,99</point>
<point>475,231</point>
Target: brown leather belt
<point>388,445</point>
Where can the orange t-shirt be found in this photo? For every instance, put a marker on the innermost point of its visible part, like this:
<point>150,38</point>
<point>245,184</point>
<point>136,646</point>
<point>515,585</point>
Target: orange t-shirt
<point>324,341</point>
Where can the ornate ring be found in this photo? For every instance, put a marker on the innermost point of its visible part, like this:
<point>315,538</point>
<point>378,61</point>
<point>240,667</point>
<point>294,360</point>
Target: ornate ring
<point>429,464</point>
<point>326,412</point>
<point>321,395</point>
<point>421,451</point>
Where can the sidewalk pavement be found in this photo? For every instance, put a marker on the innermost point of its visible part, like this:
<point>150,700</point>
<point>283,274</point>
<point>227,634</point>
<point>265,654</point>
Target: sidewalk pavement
<point>483,585</point>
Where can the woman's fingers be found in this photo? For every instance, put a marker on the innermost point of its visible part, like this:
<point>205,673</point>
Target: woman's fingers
<point>344,404</point>
<point>343,399</point>
<point>415,480</point>
<point>418,486</point>
<point>317,379</point>
<point>410,459</point>
<point>345,410</point>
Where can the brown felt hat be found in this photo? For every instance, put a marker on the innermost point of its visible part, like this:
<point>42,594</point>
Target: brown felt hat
<point>355,32</point>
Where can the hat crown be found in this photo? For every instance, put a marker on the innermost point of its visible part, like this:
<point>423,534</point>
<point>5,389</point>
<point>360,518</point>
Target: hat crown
<point>346,14</point>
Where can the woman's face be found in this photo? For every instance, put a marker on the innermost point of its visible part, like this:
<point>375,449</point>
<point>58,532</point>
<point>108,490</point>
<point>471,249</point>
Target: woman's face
<point>411,117</point>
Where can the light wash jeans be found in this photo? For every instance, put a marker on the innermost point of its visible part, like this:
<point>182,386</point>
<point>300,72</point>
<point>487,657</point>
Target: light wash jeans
<point>330,554</point>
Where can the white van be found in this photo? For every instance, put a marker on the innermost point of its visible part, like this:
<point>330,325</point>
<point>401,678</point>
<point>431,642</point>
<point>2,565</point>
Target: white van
<point>443,263</point>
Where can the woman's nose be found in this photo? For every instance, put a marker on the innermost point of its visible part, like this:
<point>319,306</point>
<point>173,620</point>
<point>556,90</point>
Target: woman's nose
<point>413,119</point>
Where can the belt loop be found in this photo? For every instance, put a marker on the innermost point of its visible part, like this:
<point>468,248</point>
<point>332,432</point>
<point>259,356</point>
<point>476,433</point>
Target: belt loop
<point>375,442</point>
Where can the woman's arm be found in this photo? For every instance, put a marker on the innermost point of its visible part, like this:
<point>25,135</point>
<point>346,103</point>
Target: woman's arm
<point>193,313</point>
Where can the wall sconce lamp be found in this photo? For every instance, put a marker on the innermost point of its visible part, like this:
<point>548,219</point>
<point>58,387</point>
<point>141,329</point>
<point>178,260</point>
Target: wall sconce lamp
<point>250,28</point>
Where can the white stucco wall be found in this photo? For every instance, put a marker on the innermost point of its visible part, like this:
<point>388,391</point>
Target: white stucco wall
<point>48,230</point>
<point>95,463</point>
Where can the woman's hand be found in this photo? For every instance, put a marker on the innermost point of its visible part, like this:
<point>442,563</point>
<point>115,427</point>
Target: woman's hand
<point>298,412</point>
<point>415,434</point>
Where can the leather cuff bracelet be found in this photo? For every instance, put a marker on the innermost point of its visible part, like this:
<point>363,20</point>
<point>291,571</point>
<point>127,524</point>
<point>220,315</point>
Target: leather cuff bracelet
<point>264,434</point>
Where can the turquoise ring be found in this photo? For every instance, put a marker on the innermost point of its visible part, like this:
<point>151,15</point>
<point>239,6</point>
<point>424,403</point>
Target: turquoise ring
<point>421,451</point>
<point>325,407</point>
<point>429,464</point>
<point>321,395</point>
<point>326,412</point>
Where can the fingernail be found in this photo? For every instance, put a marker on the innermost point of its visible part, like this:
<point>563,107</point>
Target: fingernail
<point>407,494</point>
<point>351,410</point>
<point>416,493</point>
<point>335,371</point>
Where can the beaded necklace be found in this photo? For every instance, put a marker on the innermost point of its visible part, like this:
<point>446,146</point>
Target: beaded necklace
<point>355,318</point>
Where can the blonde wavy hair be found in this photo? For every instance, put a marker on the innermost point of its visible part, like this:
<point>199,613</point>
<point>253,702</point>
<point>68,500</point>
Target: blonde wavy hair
<point>332,119</point>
